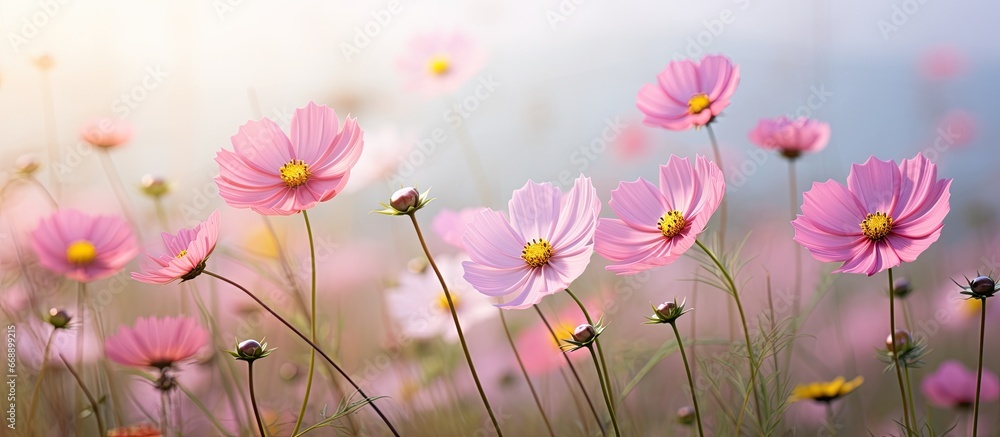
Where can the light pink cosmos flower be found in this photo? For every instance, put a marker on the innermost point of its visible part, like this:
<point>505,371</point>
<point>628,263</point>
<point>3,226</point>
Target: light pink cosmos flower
<point>544,246</point>
<point>655,226</point>
<point>790,137</point>
<point>886,215</point>
<point>274,175</point>
<point>450,225</point>
<point>943,62</point>
<point>689,93</point>
<point>186,254</point>
<point>83,247</point>
<point>438,63</point>
<point>420,308</point>
<point>156,342</point>
<point>107,132</point>
<point>953,386</point>
<point>956,128</point>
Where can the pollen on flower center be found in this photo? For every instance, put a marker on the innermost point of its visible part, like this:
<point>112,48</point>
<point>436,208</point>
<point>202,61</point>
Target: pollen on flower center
<point>81,252</point>
<point>181,253</point>
<point>442,301</point>
<point>537,252</point>
<point>295,173</point>
<point>671,224</point>
<point>876,225</point>
<point>698,103</point>
<point>439,65</point>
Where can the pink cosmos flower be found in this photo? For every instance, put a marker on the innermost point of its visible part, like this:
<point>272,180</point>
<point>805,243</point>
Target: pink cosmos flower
<point>438,63</point>
<point>544,246</point>
<point>952,386</point>
<point>790,137</point>
<point>689,93</point>
<point>656,226</point>
<point>540,353</point>
<point>274,175</point>
<point>956,128</point>
<point>450,225</point>
<point>107,132</point>
<point>886,215</point>
<point>420,307</point>
<point>186,254</point>
<point>156,342</point>
<point>943,62</point>
<point>83,247</point>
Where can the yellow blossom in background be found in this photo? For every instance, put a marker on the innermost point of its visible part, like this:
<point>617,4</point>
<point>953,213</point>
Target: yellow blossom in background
<point>825,391</point>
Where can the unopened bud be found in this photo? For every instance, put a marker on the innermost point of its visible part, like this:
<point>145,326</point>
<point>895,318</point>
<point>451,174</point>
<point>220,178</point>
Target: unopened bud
<point>900,341</point>
<point>685,415</point>
<point>59,318</point>
<point>982,286</point>
<point>26,164</point>
<point>901,287</point>
<point>404,199</point>
<point>154,186</point>
<point>584,333</point>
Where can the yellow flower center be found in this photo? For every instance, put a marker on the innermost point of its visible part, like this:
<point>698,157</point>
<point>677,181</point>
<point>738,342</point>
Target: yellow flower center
<point>182,253</point>
<point>81,252</point>
<point>439,65</point>
<point>698,103</point>
<point>876,226</point>
<point>671,224</point>
<point>971,307</point>
<point>563,330</point>
<point>442,301</point>
<point>295,173</point>
<point>537,252</point>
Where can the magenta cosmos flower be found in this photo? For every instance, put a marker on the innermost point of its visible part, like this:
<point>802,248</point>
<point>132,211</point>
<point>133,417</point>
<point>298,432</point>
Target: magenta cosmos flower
<point>83,247</point>
<point>107,132</point>
<point>790,137</point>
<point>689,93</point>
<point>156,342</point>
<point>886,215</point>
<point>186,254</point>
<point>274,175</point>
<point>544,246</point>
<point>954,386</point>
<point>655,226</point>
<point>438,63</point>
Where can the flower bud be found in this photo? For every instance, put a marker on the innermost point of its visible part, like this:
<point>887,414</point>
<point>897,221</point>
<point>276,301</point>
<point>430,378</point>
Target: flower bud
<point>288,371</point>
<point>404,199</point>
<point>584,333</point>
<point>982,286</point>
<point>59,318</point>
<point>154,186</point>
<point>26,164</point>
<point>903,340</point>
<point>165,382</point>
<point>901,287</point>
<point>666,307</point>
<point>685,415</point>
<point>249,347</point>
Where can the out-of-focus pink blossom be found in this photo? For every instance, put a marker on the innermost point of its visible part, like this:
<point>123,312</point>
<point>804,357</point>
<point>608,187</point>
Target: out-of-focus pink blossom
<point>953,386</point>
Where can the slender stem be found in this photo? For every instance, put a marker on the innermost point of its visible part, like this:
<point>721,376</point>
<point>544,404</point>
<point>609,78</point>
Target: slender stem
<point>90,397</point>
<point>572,368</point>
<point>81,313</point>
<point>770,308</point>
<point>979,373</point>
<point>534,394</point>
<point>909,396</point>
<point>723,205</point>
<point>458,326</point>
<point>38,382</point>
<point>746,331</point>
<point>204,410</point>
<point>896,364</point>
<point>253,400</point>
<point>475,164</point>
<point>118,188</point>
<point>793,203</point>
<point>606,381</point>
<point>52,135</point>
<point>312,327</point>
<point>687,368</point>
<point>604,390</point>
<point>164,424</point>
<point>310,342</point>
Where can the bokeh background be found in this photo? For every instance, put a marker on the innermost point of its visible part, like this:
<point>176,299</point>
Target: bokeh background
<point>891,77</point>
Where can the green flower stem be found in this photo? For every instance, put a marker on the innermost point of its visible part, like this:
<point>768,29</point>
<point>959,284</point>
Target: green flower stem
<point>723,205</point>
<point>90,397</point>
<point>253,399</point>
<point>310,342</point>
<point>572,369</point>
<point>312,327</point>
<point>606,379</point>
<point>604,390</point>
<point>458,326</point>
<point>38,382</point>
<point>534,394</point>
<point>979,373</point>
<point>743,320</point>
<point>909,395</point>
<point>892,336</point>
<point>687,368</point>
